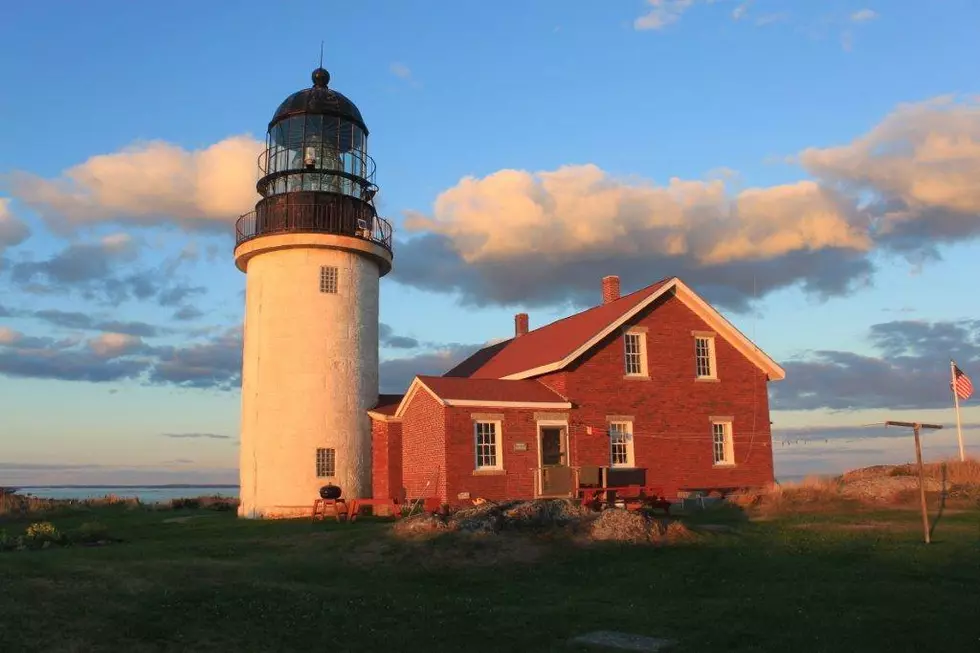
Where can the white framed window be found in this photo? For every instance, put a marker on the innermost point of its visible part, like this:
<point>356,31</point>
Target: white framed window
<point>635,353</point>
<point>328,279</point>
<point>621,444</point>
<point>326,463</point>
<point>723,449</point>
<point>705,366</point>
<point>487,444</point>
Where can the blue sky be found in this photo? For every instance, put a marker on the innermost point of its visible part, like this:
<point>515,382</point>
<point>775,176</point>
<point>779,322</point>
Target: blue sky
<point>809,167</point>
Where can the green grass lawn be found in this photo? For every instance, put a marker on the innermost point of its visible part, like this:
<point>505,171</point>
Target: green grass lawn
<point>863,581</point>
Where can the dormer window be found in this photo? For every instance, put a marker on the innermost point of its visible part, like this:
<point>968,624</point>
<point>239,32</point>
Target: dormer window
<point>635,352</point>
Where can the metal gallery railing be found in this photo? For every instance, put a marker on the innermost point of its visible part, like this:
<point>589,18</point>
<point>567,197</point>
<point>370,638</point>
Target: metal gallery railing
<point>342,219</point>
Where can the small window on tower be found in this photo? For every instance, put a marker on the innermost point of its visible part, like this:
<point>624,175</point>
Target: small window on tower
<point>328,279</point>
<point>326,462</point>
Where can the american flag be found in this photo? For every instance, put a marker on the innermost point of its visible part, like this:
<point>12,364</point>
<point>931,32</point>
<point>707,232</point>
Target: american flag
<point>961,384</point>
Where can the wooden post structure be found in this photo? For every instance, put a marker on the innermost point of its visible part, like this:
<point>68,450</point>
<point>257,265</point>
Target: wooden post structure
<point>916,426</point>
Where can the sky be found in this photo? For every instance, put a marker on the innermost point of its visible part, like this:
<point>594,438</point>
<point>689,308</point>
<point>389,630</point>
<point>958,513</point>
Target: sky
<point>809,168</point>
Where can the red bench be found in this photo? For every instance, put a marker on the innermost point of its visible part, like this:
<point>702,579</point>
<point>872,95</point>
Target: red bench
<point>633,497</point>
<point>357,504</point>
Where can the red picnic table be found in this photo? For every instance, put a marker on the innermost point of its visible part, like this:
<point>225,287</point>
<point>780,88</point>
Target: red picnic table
<point>633,497</point>
<point>391,504</point>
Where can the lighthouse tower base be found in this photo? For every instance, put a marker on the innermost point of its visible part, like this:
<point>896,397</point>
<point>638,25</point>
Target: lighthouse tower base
<point>310,369</point>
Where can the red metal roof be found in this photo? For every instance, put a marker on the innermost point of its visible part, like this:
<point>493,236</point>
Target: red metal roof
<point>387,404</point>
<point>490,390</point>
<point>548,344</point>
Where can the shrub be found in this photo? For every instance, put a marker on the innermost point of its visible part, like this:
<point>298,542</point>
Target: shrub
<point>10,542</point>
<point>90,532</point>
<point>214,502</point>
<point>966,472</point>
<point>43,530</point>
<point>42,535</point>
<point>219,503</point>
<point>902,470</point>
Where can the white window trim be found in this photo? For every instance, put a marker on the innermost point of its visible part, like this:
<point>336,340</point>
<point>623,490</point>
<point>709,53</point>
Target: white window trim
<point>729,460</point>
<point>641,335</point>
<point>545,423</point>
<point>497,443</point>
<point>553,423</point>
<point>630,457</point>
<point>712,359</point>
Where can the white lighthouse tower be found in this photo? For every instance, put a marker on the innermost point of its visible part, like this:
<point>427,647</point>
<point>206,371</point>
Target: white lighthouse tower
<point>313,252</point>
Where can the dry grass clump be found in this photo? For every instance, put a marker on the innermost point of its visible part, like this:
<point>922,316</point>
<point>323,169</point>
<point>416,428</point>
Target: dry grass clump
<point>20,505</point>
<point>550,518</point>
<point>110,500</point>
<point>812,494</point>
<point>616,525</point>
<point>952,471</point>
<point>622,526</point>
<point>420,525</point>
<point>492,517</point>
<point>899,484</point>
<point>677,532</point>
<point>12,504</point>
<point>875,485</point>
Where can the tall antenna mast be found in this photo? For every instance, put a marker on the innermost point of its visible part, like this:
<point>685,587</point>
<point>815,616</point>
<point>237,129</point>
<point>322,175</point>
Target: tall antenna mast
<point>321,54</point>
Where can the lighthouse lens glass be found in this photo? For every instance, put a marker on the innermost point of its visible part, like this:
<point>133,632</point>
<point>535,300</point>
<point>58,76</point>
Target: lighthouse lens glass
<point>316,152</point>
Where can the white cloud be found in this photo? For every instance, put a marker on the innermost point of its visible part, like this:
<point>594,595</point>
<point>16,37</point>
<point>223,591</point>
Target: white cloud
<point>113,345</point>
<point>739,12</point>
<point>8,336</point>
<point>117,242</point>
<point>864,15</point>
<point>581,210</point>
<point>13,231</point>
<point>148,183</point>
<point>561,227</point>
<point>923,158</point>
<point>545,236</point>
<point>662,13</point>
<point>921,165</point>
<point>400,70</point>
<point>772,19</point>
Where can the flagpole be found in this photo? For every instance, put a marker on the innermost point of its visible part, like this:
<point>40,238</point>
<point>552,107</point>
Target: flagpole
<point>956,404</point>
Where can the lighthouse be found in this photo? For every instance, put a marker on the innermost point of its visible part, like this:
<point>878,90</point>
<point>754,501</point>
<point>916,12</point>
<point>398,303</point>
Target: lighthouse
<point>313,252</point>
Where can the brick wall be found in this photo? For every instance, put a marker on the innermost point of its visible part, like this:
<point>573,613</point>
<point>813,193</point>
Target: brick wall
<point>517,478</point>
<point>671,409</point>
<point>424,447</point>
<point>386,460</point>
<point>380,463</point>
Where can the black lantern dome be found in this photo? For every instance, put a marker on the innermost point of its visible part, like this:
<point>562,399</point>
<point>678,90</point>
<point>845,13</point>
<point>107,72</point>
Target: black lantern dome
<point>315,174</point>
<point>322,100</point>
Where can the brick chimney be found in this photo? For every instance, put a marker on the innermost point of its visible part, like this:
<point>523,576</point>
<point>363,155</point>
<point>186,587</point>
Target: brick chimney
<point>520,324</point>
<point>610,288</point>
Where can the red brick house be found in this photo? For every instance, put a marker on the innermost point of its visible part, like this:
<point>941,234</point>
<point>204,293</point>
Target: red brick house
<point>654,387</point>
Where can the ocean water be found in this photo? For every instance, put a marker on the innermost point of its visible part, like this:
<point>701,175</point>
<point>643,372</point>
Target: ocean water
<point>146,494</point>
